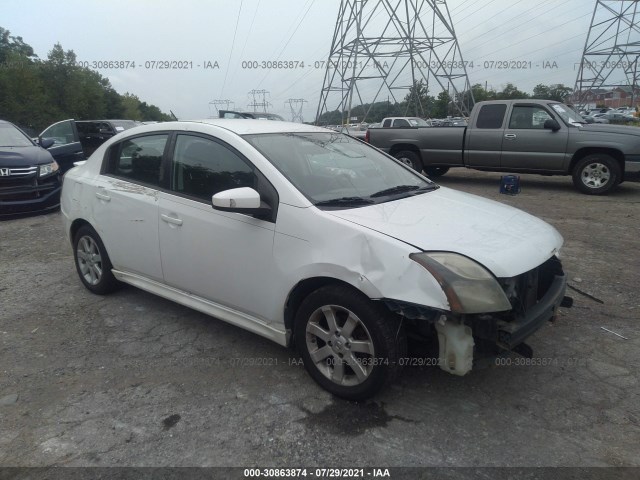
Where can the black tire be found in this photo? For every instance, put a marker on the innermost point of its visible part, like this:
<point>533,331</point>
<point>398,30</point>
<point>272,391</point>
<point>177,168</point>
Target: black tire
<point>340,367</point>
<point>596,174</point>
<point>410,159</point>
<point>92,262</point>
<point>434,172</point>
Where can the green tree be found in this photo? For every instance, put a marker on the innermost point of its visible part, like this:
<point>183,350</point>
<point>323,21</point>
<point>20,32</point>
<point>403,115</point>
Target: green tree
<point>131,106</point>
<point>442,105</point>
<point>418,102</point>
<point>511,92</point>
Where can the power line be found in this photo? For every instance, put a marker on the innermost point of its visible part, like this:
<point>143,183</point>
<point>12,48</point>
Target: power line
<point>233,42</point>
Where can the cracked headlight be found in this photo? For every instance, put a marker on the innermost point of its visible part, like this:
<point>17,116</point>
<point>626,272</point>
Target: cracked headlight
<point>469,287</point>
<point>48,169</point>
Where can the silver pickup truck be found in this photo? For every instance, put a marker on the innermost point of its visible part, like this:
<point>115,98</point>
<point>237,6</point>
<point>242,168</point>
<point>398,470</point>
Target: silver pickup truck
<point>521,136</point>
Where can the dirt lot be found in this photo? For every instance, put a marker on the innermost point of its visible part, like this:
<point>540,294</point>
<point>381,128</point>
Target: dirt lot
<point>132,379</point>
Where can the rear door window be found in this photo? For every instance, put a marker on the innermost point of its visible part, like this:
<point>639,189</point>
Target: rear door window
<point>139,159</point>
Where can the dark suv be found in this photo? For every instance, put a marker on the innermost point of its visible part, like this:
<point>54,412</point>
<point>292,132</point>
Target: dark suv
<point>76,140</point>
<point>29,175</point>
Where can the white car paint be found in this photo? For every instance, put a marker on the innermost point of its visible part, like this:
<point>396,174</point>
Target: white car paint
<point>242,269</point>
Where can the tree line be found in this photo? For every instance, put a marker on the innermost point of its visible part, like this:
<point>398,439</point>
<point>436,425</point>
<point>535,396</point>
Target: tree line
<point>419,103</point>
<point>35,93</point>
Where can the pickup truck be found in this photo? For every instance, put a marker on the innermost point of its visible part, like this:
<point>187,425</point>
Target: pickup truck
<point>521,136</point>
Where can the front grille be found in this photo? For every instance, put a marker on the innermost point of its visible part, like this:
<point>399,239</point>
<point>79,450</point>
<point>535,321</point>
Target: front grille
<point>12,172</point>
<point>23,183</point>
<point>527,289</point>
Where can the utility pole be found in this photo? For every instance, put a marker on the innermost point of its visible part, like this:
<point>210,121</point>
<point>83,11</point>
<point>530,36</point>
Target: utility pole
<point>385,47</point>
<point>296,105</point>
<point>256,103</point>
<point>220,103</point>
<point>611,50</point>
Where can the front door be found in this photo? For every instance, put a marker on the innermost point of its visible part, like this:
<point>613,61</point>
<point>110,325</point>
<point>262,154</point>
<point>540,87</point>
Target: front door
<point>223,257</point>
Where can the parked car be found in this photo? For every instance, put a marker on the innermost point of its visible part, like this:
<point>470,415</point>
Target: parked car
<point>29,175</point>
<point>76,140</point>
<point>250,115</point>
<point>527,136</point>
<point>314,239</point>
<point>355,132</point>
<point>401,122</point>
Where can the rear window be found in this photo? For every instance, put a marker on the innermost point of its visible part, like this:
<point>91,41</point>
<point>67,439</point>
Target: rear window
<point>491,116</point>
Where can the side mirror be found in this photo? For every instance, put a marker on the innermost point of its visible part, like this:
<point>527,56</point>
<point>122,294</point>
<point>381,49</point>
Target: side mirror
<point>46,142</point>
<point>551,124</point>
<point>240,200</point>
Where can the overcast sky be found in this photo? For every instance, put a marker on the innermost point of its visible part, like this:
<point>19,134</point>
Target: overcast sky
<point>546,33</point>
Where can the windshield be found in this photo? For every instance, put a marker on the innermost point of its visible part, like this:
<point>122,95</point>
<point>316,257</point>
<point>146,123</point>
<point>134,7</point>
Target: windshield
<point>336,171</point>
<point>10,136</point>
<point>570,116</point>
<point>417,122</point>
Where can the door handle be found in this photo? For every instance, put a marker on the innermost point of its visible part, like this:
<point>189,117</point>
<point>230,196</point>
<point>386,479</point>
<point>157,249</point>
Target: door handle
<point>171,220</point>
<point>510,136</point>
<point>103,196</point>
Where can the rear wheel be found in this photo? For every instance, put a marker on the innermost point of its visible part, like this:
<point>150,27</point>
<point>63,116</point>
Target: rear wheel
<point>410,159</point>
<point>596,174</point>
<point>350,345</point>
<point>92,262</point>
<point>433,172</point>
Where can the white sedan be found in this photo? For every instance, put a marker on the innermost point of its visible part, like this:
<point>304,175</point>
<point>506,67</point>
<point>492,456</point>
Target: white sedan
<point>311,238</point>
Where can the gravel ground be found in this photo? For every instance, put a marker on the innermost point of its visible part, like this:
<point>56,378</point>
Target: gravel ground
<point>131,379</point>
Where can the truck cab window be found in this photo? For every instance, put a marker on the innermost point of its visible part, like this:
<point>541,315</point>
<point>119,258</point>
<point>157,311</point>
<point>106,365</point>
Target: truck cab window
<point>491,116</point>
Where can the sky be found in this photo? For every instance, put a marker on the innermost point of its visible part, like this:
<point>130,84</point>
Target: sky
<point>218,40</point>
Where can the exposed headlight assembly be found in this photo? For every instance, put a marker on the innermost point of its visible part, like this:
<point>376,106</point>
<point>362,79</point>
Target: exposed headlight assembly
<point>48,169</point>
<point>469,287</point>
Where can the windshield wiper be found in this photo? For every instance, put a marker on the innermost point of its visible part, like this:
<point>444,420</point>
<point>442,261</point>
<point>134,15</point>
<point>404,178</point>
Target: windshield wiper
<point>403,189</point>
<point>345,201</point>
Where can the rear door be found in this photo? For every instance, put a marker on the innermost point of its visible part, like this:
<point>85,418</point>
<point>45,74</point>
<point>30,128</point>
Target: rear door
<point>483,142</point>
<point>125,207</point>
<point>528,145</point>
<point>66,148</point>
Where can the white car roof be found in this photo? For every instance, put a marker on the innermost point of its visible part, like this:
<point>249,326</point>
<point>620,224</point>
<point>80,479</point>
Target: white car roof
<point>237,126</point>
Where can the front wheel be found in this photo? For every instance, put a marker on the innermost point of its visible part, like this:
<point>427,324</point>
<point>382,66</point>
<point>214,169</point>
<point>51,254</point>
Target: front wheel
<point>410,159</point>
<point>596,174</point>
<point>350,345</point>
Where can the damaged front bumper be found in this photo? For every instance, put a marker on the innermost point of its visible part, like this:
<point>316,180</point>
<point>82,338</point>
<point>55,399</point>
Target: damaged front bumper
<point>468,341</point>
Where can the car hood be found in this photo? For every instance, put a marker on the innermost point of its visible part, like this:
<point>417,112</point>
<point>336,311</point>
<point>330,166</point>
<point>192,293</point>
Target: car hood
<point>504,239</point>
<point>23,156</point>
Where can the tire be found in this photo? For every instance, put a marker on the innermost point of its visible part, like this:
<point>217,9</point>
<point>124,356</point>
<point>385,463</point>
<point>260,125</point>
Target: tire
<point>329,351</point>
<point>92,262</point>
<point>434,172</point>
<point>410,159</point>
<point>596,174</point>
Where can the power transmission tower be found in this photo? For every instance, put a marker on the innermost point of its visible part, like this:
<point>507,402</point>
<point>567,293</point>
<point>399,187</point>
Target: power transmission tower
<point>296,105</point>
<point>383,48</point>
<point>221,103</point>
<point>254,95</point>
<point>611,51</point>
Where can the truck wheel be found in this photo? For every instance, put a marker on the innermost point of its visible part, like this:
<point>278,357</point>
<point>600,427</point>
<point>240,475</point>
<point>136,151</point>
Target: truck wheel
<point>433,172</point>
<point>350,345</point>
<point>410,159</point>
<point>596,174</point>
